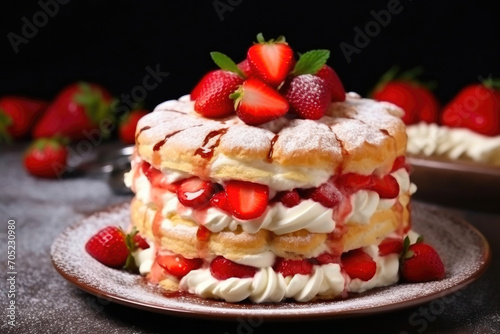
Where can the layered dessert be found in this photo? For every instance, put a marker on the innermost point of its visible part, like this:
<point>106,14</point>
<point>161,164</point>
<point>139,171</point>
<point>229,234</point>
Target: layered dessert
<point>292,190</point>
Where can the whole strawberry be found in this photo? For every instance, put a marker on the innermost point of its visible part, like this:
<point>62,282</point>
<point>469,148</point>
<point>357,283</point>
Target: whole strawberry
<point>113,248</point>
<point>77,112</point>
<point>18,114</point>
<point>421,263</point>
<point>404,90</point>
<point>128,124</point>
<point>476,107</point>
<point>309,96</point>
<point>46,158</point>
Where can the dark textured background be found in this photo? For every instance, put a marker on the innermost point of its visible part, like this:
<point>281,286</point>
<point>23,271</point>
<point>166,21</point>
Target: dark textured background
<point>111,43</point>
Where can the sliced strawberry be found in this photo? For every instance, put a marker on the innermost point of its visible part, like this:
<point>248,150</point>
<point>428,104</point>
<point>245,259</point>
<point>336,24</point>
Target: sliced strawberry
<point>289,267</point>
<point>390,246</point>
<point>358,264</point>
<point>327,194</point>
<point>271,61</point>
<point>288,198</point>
<point>178,265</point>
<point>326,258</point>
<point>256,103</point>
<point>386,186</point>
<point>212,95</point>
<point>247,200</point>
<point>222,268</point>
<point>309,96</point>
<point>158,179</point>
<point>108,246</point>
<point>399,163</point>
<point>219,200</point>
<point>421,263</point>
<point>195,192</point>
<point>353,181</point>
<point>333,83</point>
<point>140,241</point>
<point>203,233</point>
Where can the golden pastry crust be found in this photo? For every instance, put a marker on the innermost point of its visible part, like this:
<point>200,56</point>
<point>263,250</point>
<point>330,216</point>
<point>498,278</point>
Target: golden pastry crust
<point>180,237</point>
<point>359,135</point>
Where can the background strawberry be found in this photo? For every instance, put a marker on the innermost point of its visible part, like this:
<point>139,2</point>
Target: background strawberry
<point>421,263</point>
<point>109,247</point>
<point>46,158</point>
<point>270,61</point>
<point>411,95</point>
<point>128,125</point>
<point>476,107</point>
<point>18,114</point>
<point>78,109</point>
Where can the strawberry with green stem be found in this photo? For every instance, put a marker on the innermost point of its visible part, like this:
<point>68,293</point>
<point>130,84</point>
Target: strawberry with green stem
<point>420,262</point>
<point>46,158</point>
<point>78,110</point>
<point>113,247</point>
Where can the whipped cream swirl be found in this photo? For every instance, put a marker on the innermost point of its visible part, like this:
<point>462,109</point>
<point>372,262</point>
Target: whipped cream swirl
<point>453,143</point>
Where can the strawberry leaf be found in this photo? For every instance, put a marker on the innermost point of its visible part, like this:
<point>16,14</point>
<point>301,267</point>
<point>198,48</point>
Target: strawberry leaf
<point>226,63</point>
<point>310,62</point>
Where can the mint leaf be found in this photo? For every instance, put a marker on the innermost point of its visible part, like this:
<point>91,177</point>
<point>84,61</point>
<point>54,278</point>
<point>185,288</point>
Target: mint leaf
<point>310,62</point>
<point>226,63</point>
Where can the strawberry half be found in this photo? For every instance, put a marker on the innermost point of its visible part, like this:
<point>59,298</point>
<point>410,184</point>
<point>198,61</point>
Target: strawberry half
<point>309,96</point>
<point>270,61</point>
<point>213,91</point>
<point>219,200</point>
<point>195,192</point>
<point>257,103</point>
<point>421,263</point>
<point>358,264</point>
<point>390,246</point>
<point>289,267</point>
<point>222,268</point>
<point>157,178</point>
<point>178,265</point>
<point>353,181</point>
<point>386,186</point>
<point>247,200</point>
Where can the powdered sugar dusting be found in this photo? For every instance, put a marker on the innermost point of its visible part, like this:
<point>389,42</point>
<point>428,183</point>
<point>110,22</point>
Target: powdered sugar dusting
<point>461,247</point>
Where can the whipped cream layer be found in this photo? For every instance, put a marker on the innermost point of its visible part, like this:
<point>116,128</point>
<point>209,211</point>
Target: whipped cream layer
<point>453,143</point>
<point>308,214</point>
<point>269,286</point>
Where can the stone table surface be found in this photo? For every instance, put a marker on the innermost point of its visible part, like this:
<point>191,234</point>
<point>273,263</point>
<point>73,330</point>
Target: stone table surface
<point>47,303</point>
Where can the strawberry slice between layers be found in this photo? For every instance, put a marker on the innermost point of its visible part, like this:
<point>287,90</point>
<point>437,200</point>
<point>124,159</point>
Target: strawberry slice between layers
<point>247,200</point>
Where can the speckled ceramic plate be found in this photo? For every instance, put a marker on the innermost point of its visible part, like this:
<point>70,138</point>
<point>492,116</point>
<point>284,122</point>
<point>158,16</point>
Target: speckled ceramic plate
<point>458,183</point>
<point>465,253</point>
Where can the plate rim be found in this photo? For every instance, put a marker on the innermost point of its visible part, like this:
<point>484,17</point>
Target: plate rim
<point>214,314</point>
